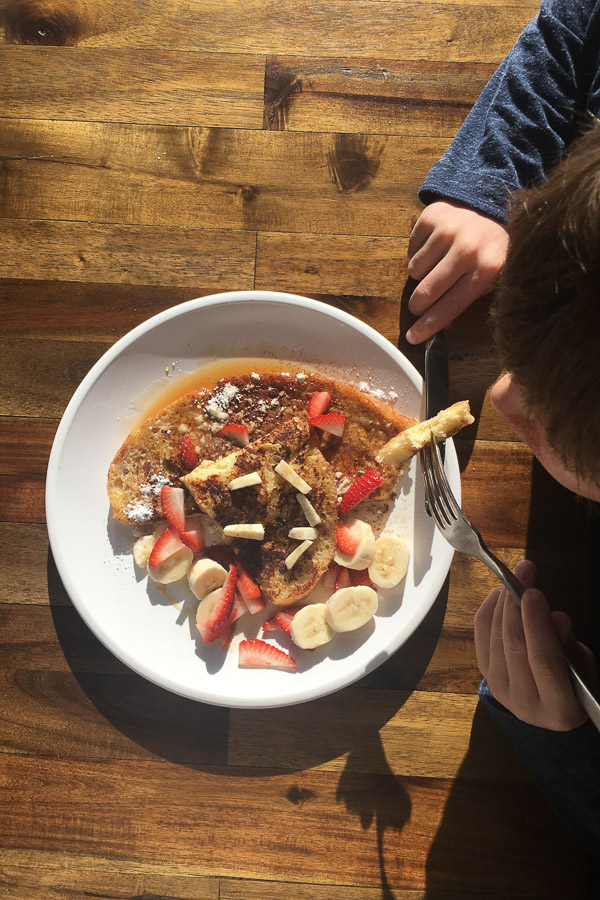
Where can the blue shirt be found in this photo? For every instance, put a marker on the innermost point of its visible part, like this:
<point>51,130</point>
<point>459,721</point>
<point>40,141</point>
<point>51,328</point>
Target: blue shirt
<point>541,95</point>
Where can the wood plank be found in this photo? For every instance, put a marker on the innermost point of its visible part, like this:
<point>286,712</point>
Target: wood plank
<point>43,375</point>
<point>99,717</point>
<point>88,311</point>
<point>213,177</point>
<point>117,254</point>
<point>372,96</point>
<point>449,30</point>
<point>22,498</point>
<point>125,85</point>
<point>25,565</point>
<point>421,734</point>
<point>65,882</point>
<point>402,832</point>
<point>25,445</point>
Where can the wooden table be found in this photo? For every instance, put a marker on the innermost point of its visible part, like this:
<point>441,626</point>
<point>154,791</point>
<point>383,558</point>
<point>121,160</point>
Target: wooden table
<point>155,152</point>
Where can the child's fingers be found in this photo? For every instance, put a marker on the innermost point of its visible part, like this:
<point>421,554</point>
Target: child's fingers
<point>497,670</point>
<point>524,689</point>
<point>546,655</point>
<point>483,627</point>
<point>525,571</point>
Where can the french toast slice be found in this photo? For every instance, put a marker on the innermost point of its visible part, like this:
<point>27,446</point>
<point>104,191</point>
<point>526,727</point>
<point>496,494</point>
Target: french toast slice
<point>272,504</point>
<point>150,458</point>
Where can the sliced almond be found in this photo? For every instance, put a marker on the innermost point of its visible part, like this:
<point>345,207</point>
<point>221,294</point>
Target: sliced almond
<point>245,481</point>
<point>285,470</point>
<point>295,555</point>
<point>303,534</point>
<point>254,532</point>
<point>312,516</point>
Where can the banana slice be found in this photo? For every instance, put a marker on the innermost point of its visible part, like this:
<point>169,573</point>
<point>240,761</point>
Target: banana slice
<point>390,561</point>
<point>285,470</point>
<point>250,531</point>
<point>142,549</point>
<point>206,575</point>
<point>309,627</point>
<point>173,568</point>
<point>312,516</point>
<point>351,608</point>
<point>245,481</point>
<point>303,533</point>
<point>363,556</point>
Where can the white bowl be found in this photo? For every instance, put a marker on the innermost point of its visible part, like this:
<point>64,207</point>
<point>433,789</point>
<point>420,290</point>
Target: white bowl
<point>137,622</point>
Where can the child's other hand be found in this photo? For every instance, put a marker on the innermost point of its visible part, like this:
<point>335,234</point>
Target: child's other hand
<point>456,254</point>
<point>521,656</point>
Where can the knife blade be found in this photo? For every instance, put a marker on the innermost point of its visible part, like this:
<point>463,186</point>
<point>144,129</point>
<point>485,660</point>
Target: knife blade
<point>436,375</point>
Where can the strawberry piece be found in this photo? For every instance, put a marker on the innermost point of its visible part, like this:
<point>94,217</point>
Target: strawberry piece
<point>172,502</point>
<point>220,616</point>
<point>331,422</point>
<point>257,654</point>
<point>250,591</point>
<point>330,576</point>
<point>285,616</point>
<point>364,485</point>
<point>346,541</point>
<point>271,624</point>
<point>238,609</point>
<point>167,545</point>
<point>318,404</point>
<point>238,434</point>
<point>187,452</point>
<point>342,580</point>
<point>193,539</point>
<point>360,577</point>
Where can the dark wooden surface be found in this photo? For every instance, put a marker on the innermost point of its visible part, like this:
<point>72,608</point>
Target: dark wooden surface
<point>155,152</point>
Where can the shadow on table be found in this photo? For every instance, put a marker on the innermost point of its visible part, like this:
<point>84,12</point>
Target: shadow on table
<point>155,723</point>
<point>477,824</point>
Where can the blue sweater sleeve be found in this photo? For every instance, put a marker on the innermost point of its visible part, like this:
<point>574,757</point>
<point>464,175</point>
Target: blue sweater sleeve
<point>526,115</point>
<point>565,764</point>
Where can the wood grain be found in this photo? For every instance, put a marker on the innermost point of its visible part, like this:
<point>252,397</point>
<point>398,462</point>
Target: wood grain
<point>125,254</point>
<point>167,88</point>
<point>210,178</point>
<point>452,30</point>
<point>154,811</point>
<point>373,96</point>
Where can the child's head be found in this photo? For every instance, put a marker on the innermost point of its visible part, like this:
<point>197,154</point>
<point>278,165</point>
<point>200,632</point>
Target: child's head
<point>546,319</point>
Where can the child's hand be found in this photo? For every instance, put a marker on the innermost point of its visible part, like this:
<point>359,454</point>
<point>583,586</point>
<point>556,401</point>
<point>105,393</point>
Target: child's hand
<point>456,254</point>
<point>520,655</point>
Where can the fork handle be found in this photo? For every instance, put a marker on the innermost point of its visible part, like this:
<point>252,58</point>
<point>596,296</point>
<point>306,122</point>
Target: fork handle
<point>582,691</point>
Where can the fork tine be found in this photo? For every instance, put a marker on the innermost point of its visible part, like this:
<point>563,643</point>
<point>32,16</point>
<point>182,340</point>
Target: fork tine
<point>432,494</point>
<point>441,483</point>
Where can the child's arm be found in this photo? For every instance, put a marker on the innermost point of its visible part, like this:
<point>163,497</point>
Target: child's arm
<point>516,132</point>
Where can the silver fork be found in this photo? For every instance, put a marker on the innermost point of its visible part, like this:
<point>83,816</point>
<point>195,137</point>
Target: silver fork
<point>441,504</point>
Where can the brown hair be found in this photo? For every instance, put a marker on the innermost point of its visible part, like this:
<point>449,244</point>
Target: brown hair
<point>546,315</point>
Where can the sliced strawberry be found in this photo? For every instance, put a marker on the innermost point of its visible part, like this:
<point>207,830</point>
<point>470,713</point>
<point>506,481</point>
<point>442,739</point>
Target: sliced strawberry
<point>364,485</point>
<point>187,452</point>
<point>330,576</point>
<point>172,502</point>
<point>238,609</point>
<point>193,539</point>
<point>219,617</point>
<point>238,434</point>
<point>342,580</point>
<point>360,577</point>
<point>167,544</point>
<point>257,654</point>
<point>346,541</point>
<point>331,422</point>
<point>271,624</point>
<point>249,590</point>
<point>285,616</point>
<point>228,635</point>
<point>318,404</point>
